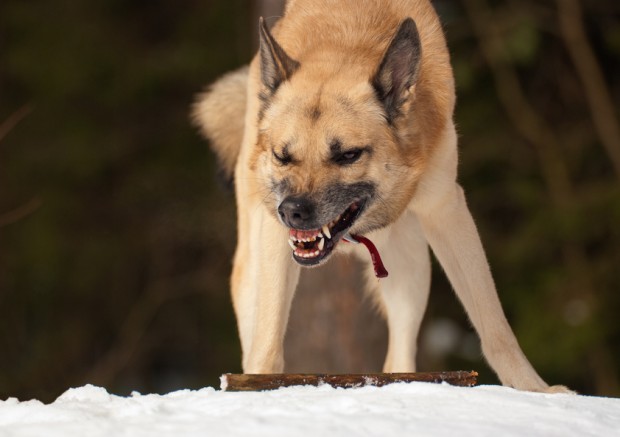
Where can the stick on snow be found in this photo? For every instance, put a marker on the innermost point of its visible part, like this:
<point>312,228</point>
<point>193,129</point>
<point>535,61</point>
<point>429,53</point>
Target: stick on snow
<point>256,382</point>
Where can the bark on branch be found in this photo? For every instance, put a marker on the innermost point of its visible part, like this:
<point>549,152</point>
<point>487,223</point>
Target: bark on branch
<point>247,382</point>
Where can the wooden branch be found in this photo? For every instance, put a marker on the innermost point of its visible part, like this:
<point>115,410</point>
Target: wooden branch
<point>248,382</point>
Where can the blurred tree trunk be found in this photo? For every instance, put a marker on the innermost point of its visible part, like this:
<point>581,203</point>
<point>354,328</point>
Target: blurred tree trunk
<point>333,327</point>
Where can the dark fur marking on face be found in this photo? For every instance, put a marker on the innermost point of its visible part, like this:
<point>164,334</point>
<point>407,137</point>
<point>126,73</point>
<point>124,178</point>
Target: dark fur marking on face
<point>345,194</point>
<point>335,147</point>
<point>281,188</point>
<point>337,197</point>
<point>314,113</point>
<point>313,110</point>
<point>346,103</point>
<point>330,202</point>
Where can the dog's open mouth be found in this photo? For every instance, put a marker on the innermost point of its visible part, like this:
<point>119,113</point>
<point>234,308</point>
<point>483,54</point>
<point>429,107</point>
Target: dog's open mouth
<point>310,247</point>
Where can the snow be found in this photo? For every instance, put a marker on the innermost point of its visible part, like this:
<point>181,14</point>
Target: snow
<point>420,409</point>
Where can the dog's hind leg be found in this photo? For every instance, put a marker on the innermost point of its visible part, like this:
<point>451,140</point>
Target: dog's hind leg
<point>404,293</point>
<point>264,281</point>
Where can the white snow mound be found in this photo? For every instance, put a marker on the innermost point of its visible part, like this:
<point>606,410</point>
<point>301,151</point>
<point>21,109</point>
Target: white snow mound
<point>419,409</point>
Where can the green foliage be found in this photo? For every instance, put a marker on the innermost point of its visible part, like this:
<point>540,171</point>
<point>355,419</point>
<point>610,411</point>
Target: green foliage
<point>523,43</point>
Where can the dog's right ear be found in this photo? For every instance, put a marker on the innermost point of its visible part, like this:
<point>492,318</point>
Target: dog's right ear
<point>399,69</point>
<point>275,65</point>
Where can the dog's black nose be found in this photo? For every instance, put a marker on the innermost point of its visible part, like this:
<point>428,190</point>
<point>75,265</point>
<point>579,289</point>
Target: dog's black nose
<point>297,212</point>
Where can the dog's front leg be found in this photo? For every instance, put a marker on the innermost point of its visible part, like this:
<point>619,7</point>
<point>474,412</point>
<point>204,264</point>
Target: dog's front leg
<point>452,234</point>
<point>274,276</point>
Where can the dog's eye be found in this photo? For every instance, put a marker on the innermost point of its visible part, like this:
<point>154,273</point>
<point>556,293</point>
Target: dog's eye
<point>348,157</point>
<point>284,158</point>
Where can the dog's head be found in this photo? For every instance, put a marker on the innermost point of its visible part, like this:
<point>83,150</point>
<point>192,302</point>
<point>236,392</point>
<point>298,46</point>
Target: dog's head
<point>332,154</point>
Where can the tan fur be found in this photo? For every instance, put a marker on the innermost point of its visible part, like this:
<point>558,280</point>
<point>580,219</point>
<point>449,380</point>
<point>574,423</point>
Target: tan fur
<point>217,114</point>
<point>335,49</point>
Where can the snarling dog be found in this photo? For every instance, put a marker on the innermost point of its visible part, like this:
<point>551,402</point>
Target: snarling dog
<point>341,128</point>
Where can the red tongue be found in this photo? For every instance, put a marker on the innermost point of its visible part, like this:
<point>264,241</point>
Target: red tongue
<point>380,271</point>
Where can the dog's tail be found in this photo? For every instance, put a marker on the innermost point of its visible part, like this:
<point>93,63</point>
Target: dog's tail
<point>219,112</point>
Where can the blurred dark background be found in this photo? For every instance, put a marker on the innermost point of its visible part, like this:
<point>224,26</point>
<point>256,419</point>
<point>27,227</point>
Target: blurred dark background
<point>115,241</point>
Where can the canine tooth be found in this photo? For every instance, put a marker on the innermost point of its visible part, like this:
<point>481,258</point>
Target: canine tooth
<point>321,244</point>
<point>316,252</point>
<point>326,232</point>
<point>290,243</point>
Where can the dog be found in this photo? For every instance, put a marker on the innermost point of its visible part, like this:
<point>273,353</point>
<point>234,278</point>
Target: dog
<point>341,130</point>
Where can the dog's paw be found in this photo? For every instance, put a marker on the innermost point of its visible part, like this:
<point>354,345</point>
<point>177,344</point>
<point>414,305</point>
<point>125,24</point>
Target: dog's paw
<point>553,389</point>
<point>541,387</point>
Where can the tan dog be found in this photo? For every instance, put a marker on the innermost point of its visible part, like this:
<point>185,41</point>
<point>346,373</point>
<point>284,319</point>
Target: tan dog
<point>343,123</point>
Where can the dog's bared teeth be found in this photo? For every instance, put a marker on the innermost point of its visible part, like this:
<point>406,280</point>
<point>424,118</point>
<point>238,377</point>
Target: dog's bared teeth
<point>301,253</point>
<point>326,232</point>
<point>321,244</point>
<point>292,244</point>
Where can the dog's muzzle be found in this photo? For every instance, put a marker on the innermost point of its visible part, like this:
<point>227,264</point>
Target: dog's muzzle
<point>311,241</point>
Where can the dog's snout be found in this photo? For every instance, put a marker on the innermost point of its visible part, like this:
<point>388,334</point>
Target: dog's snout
<point>297,212</point>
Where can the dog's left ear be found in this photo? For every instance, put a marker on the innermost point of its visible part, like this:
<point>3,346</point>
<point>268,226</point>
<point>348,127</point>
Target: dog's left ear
<point>399,69</point>
<point>275,65</point>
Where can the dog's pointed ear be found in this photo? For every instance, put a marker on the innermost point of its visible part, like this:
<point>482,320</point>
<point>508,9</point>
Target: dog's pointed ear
<point>399,68</point>
<point>275,65</point>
